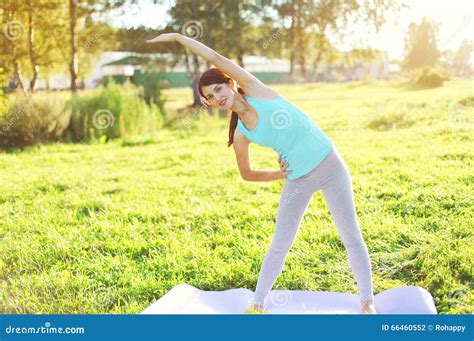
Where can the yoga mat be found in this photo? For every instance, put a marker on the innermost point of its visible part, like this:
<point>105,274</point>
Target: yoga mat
<point>187,299</point>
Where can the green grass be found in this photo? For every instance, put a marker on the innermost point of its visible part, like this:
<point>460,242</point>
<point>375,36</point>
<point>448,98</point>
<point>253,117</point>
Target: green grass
<point>110,228</point>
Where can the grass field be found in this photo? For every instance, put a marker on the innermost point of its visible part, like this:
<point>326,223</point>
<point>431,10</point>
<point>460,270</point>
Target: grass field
<point>110,228</point>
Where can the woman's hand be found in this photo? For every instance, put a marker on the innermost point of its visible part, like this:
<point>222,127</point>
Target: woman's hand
<point>284,167</point>
<point>165,37</point>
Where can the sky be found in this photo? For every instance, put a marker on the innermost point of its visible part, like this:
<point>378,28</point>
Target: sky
<point>456,19</point>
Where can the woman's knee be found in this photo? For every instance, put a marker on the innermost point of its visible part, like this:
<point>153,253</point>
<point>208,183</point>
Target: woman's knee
<point>280,247</point>
<point>353,239</point>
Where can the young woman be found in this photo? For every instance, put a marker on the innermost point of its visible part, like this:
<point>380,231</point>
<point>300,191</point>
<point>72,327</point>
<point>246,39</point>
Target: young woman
<point>308,159</point>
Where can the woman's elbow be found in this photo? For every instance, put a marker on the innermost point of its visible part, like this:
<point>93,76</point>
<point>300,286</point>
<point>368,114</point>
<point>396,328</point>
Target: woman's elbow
<point>246,176</point>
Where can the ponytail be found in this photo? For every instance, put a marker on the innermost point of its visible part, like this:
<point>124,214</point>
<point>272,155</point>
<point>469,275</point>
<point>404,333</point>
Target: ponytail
<point>233,122</point>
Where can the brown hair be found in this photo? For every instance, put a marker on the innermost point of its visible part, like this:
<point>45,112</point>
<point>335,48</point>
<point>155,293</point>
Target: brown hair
<point>216,76</point>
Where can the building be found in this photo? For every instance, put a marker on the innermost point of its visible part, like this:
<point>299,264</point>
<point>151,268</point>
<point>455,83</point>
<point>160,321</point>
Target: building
<point>136,66</point>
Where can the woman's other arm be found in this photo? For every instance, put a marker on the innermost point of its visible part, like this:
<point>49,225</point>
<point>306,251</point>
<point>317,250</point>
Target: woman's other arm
<point>241,148</point>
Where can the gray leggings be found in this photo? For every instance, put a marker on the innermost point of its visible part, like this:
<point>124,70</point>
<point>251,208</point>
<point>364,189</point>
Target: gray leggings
<point>332,176</point>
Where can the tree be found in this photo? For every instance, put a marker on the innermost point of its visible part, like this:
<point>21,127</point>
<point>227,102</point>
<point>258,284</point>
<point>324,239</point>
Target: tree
<point>37,31</point>
<point>462,58</point>
<point>12,47</point>
<point>221,25</point>
<point>295,29</point>
<point>421,48</point>
<point>307,27</point>
<point>80,17</point>
<point>40,48</point>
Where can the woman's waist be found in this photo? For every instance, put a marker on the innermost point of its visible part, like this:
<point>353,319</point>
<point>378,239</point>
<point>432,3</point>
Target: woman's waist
<point>304,162</point>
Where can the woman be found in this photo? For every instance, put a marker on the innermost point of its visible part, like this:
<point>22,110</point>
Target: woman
<point>308,159</point>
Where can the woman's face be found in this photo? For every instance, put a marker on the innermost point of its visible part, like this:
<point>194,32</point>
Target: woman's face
<point>220,96</point>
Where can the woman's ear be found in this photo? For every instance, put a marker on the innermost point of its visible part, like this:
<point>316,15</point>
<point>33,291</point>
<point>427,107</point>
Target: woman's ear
<point>204,101</point>
<point>233,85</point>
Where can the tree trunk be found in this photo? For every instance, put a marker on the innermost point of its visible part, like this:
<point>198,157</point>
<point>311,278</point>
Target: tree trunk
<point>240,59</point>
<point>73,47</point>
<point>292,54</point>
<point>193,75</point>
<point>302,62</point>
<point>240,56</point>
<point>16,71</point>
<point>34,66</point>
<point>314,71</point>
<point>14,58</point>
<point>302,50</point>
<point>195,71</point>
<point>196,97</point>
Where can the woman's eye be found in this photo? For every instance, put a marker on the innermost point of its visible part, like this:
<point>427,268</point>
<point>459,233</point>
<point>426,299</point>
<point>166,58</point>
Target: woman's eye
<point>218,89</point>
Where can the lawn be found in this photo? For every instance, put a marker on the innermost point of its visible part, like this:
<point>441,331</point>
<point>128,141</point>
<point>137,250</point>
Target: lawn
<point>110,228</point>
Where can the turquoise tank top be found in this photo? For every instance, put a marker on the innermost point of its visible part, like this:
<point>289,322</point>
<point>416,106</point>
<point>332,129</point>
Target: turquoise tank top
<point>290,133</point>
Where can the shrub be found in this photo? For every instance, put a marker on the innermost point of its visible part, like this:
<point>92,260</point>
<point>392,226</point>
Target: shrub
<point>29,120</point>
<point>467,101</point>
<point>390,118</point>
<point>113,111</point>
<point>428,77</point>
<point>152,86</point>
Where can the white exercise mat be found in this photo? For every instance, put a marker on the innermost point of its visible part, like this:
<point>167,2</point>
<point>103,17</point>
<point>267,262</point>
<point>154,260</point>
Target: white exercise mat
<point>186,299</point>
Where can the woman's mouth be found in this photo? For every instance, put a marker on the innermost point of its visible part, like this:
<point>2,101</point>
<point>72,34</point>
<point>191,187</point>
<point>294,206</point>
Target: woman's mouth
<point>222,103</point>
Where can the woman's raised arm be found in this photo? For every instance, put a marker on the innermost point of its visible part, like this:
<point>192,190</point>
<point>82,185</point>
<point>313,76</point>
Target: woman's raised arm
<point>242,76</point>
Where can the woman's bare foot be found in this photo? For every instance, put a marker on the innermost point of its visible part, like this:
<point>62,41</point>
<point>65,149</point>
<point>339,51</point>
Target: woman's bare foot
<point>256,309</point>
<point>368,307</point>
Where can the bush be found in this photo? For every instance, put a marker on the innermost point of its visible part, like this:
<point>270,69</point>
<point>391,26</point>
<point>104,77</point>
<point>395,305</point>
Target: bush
<point>29,120</point>
<point>467,101</point>
<point>152,86</point>
<point>390,118</point>
<point>113,111</point>
<point>428,77</point>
